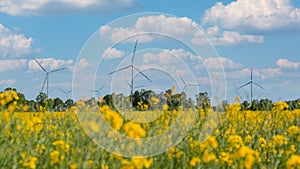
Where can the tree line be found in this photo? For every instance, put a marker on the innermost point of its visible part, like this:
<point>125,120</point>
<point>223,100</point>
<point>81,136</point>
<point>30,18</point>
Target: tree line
<point>142,100</point>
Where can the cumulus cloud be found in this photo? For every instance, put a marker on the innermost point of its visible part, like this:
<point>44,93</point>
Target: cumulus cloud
<point>210,63</point>
<point>8,82</point>
<point>161,23</point>
<point>167,56</point>
<point>180,27</point>
<point>112,53</point>
<point>11,65</point>
<point>171,56</point>
<point>45,7</point>
<point>83,66</point>
<point>285,63</point>
<point>247,15</point>
<point>218,37</point>
<point>259,73</point>
<point>49,64</point>
<point>14,45</point>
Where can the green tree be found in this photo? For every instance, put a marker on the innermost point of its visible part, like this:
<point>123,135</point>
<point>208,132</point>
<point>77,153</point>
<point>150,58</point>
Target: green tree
<point>41,99</point>
<point>203,101</point>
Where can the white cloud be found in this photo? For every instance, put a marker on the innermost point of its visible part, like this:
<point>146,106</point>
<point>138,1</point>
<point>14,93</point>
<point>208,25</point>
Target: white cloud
<point>161,23</point>
<point>285,63</point>
<point>265,73</point>
<point>45,7</point>
<point>173,56</point>
<point>230,37</point>
<point>49,64</point>
<point>112,53</point>
<point>10,65</point>
<point>270,72</point>
<point>8,82</point>
<point>13,44</point>
<point>82,65</point>
<point>239,74</point>
<point>180,27</point>
<point>211,63</point>
<point>247,15</point>
<point>168,56</point>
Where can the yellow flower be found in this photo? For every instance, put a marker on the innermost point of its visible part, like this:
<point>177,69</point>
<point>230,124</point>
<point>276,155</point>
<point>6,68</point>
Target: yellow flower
<point>263,142</point>
<point>213,142</point>
<point>248,139</point>
<point>89,162</point>
<point>103,166</point>
<point>209,157</point>
<point>31,162</point>
<point>194,161</point>
<point>165,107</point>
<point>73,166</point>
<point>133,129</point>
<point>293,162</point>
<point>40,148</point>
<point>280,140</point>
<point>61,144</point>
<point>224,156</point>
<point>94,126</point>
<point>112,117</point>
<point>148,163</point>
<point>293,130</point>
<point>58,142</point>
<point>179,154</point>
<point>280,106</point>
<point>249,156</point>
<point>54,156</point>
<point>235,141</point>
<point>11,108</point>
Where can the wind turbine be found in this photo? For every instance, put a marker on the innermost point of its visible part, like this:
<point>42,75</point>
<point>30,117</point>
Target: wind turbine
<point>251,86</point>
<point>132,68</point>
<point>47,75</point>
<point>98,91</point>
<point>186,84</point>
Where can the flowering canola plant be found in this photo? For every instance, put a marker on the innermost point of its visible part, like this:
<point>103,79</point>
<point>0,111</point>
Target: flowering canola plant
<point>242,139</point>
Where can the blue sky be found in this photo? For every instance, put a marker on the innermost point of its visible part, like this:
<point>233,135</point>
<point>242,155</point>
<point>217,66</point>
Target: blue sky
<point>245,34</point>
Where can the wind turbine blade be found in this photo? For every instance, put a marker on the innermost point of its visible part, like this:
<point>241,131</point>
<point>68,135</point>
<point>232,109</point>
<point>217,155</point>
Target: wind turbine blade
<point>258,85</point>
<point>101,88</point>
<point>139,86</point>
<point>40,65</point>
<point>119,70</point>
<point>44,82</point>
<point>93,90</point>
<point>142,73</point>
<point>133,54</point>
<point>184,88</point>
<point>57,70</point>
<point>69,91</point>
<point>182,80</point>
<point>243,85</point>
<point>63,91</point>
<point>128,83</point>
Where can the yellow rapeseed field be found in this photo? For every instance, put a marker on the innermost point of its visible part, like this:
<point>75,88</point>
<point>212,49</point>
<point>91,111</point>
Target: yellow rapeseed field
<point>242,139</point>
